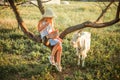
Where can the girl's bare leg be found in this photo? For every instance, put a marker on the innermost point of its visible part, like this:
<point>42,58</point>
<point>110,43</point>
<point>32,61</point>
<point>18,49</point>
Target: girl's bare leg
<point>58,58</point>
<point>54,50</point>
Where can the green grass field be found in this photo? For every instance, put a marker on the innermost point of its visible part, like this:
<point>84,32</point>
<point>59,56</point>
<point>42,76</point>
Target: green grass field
<point>23,59</point>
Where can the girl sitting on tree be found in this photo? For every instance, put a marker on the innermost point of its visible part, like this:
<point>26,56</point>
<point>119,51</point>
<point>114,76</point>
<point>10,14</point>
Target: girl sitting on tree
<point>47,31</point>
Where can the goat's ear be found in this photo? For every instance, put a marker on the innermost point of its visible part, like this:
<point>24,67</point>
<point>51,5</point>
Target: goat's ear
<point>75,33</point>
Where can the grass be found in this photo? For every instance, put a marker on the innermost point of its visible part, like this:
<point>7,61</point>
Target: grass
<point>23,59</point>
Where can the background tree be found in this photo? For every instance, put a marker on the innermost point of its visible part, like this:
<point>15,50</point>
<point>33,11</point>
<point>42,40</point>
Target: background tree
<point>71,28</point>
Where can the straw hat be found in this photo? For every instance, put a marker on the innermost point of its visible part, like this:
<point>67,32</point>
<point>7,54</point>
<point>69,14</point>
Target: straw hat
<point>49,13</point>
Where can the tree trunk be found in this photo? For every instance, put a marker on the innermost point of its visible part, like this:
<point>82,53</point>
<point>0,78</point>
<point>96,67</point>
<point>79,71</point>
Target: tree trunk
<point>22,24</point>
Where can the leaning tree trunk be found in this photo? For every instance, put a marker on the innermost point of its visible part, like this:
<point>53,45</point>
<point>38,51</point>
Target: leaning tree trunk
<point>22,24</point>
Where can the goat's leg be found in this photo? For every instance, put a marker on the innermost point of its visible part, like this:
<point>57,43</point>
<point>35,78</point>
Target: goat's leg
<point>84,55</point>
<point>78,60</point>
<point>78,56</point>
<point>77,53</point>
<point>83,61</point>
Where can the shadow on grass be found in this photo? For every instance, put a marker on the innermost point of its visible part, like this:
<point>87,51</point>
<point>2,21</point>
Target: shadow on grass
<point>8,72</point>
<point>26,72</point>
<point>11,33</point>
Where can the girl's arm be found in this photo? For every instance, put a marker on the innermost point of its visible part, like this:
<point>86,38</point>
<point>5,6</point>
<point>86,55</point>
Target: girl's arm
<point>40,26</point>
<point>52,26</point>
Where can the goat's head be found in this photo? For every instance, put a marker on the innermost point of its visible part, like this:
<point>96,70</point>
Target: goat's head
<point>74,40</point>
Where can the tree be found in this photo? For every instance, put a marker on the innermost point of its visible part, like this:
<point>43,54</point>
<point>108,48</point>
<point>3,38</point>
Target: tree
<point>71,28</point>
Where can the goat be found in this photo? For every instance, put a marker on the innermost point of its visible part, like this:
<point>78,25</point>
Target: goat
<point>81,41</point>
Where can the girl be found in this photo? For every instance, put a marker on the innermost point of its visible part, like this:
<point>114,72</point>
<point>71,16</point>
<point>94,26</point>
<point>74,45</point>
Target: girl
<point>47,31</point>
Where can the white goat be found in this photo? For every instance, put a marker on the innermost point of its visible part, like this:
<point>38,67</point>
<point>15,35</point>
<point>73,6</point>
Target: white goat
<point>81,41</point>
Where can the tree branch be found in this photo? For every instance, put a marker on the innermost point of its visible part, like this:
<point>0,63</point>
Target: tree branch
<point>118,11</point>
<point>40,6</point>
<point>46,1</point>
<point>34,4</point>
<point>85,25</point>
<point>72,29</point>
<point>91,24</point>
<point>7,5</point>
<point>104,11</point>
